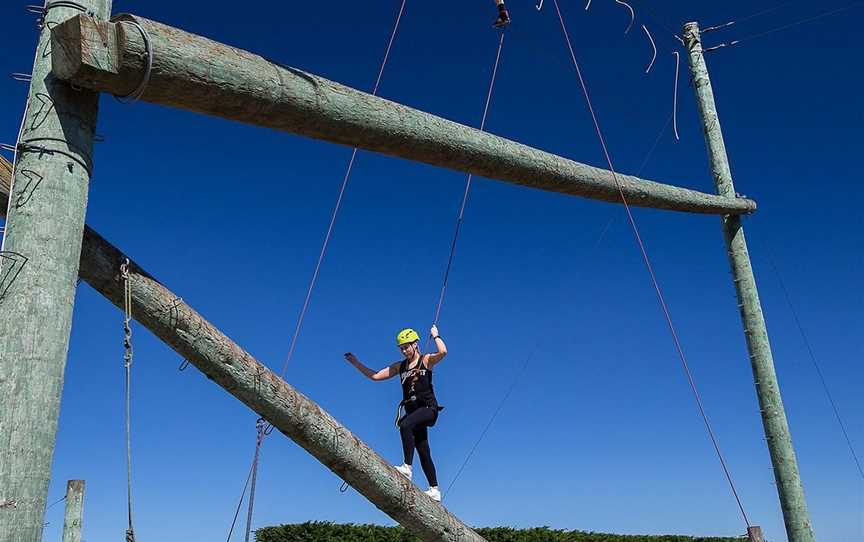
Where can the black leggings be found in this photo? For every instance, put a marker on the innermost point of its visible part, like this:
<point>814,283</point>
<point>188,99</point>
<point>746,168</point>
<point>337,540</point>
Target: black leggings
<point>414,428</point>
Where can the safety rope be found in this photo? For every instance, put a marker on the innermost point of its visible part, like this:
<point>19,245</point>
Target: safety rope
<point>812,355</point>
<point>509,391</point>
<point>329,234</point>
<point>127,364</point>
<point>262,428</point>
<point>648,265</point>
<point>267,429</point>
<point>461,216</point>
<point>521,371</point>
<point>786,26</point>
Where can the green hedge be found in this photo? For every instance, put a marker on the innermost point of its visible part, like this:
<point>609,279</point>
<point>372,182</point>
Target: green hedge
<point>330,532</point>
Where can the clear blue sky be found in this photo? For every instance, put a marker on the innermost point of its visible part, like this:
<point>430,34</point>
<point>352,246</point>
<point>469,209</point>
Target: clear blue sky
<point>602,432</point>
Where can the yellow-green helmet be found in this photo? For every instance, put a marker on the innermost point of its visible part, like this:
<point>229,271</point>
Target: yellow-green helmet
<point>407,336</point>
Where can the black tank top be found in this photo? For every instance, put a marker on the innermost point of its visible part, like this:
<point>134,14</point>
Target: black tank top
<point>417,385</point>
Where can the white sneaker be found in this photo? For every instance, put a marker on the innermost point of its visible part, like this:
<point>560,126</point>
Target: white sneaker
<point>405,470</point>
<point>433,493</point>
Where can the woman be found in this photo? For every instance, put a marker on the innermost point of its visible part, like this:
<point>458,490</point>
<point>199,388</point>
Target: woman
<point>418,398</point>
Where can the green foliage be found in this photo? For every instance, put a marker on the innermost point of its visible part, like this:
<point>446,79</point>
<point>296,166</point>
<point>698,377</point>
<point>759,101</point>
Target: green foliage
<point>331,532</point>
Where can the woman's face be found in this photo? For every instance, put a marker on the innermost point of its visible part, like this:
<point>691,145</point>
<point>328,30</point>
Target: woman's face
<point>408,350</point>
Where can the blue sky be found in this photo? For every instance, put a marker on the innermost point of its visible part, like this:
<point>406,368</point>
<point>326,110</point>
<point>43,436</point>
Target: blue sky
<point>601,433</point>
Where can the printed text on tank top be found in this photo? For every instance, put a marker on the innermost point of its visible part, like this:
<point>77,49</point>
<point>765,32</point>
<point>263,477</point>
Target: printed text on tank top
<point>417,383</point>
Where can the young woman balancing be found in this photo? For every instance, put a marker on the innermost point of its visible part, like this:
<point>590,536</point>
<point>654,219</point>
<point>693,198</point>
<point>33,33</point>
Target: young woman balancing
<point>418,399</point>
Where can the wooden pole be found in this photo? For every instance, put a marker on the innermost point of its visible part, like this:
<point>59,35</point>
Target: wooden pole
<point>38,273</point>
<point>74,511</point>
<point>194,73</point>
<point>754,534</point>
<point>295,415</point>
<point>789,487</point>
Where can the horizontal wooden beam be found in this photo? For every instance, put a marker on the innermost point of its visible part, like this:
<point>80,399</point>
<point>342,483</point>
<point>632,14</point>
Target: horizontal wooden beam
<point>295,415</point>
<point>194,73</point>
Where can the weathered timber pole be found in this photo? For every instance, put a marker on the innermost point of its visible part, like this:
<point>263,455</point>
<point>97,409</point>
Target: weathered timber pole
<point>38,273</point>
<point>295,415</point>
<point>194,73</point>
<point>798,528</point>
<point>74,511</point>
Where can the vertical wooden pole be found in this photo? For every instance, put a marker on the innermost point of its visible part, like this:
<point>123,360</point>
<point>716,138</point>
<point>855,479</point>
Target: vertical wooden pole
<point>795,515</point>
<point>754,534</point>
<point>74,511</point>
<point>38,274</point>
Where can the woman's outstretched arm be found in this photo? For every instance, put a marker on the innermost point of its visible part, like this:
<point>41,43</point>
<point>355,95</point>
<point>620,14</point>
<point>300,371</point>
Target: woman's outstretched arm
<point>387,372</point>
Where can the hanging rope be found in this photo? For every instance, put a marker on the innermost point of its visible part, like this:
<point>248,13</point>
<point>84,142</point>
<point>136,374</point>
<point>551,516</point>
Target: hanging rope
<point>263,429</point>
<point>632,14</point>
<point>675,95</point>
<point>813,358</point>
<point>653,47</point>
<point>492,419</point>
<point>460,218</point>
<point>747,18</point>
<point>648,265</point>
<point>268,428</point>
<point>786,26</point>
<point>243,494</point>
<point>127,364</point>
<point>519,374</point>
<point>338,206</point>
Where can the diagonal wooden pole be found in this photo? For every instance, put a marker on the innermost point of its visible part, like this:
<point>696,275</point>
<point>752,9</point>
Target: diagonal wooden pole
<point>194,73</point>
<point>789,487</point>
<point>38,273</point>
<point>241,375</point>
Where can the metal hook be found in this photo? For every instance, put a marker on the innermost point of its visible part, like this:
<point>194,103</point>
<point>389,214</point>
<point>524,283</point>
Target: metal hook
<point>22,77</point>
<point>344,487</point>
<point>539,6</point>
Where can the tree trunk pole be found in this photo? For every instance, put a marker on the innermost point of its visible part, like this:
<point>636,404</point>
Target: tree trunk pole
<point>789,487</point>
<point>201,75</point>
<point>38,274</point>
<point>74,511</point>
<point>295,415</point>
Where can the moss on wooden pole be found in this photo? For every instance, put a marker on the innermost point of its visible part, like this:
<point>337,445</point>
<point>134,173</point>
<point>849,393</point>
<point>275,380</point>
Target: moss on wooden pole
<point>38,273</point>
<point>197,74</point>
<point>295,415</point>
<point>789,487</point>
<point>74,514</point>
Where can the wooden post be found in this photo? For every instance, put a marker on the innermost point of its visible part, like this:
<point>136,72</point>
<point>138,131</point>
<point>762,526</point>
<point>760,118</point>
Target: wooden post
<point>754,534</point>
<point>39,270</point>
<point>795,515</point>
<point>74,511</point>
<point>295,415</point>
<point>197,74</point>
